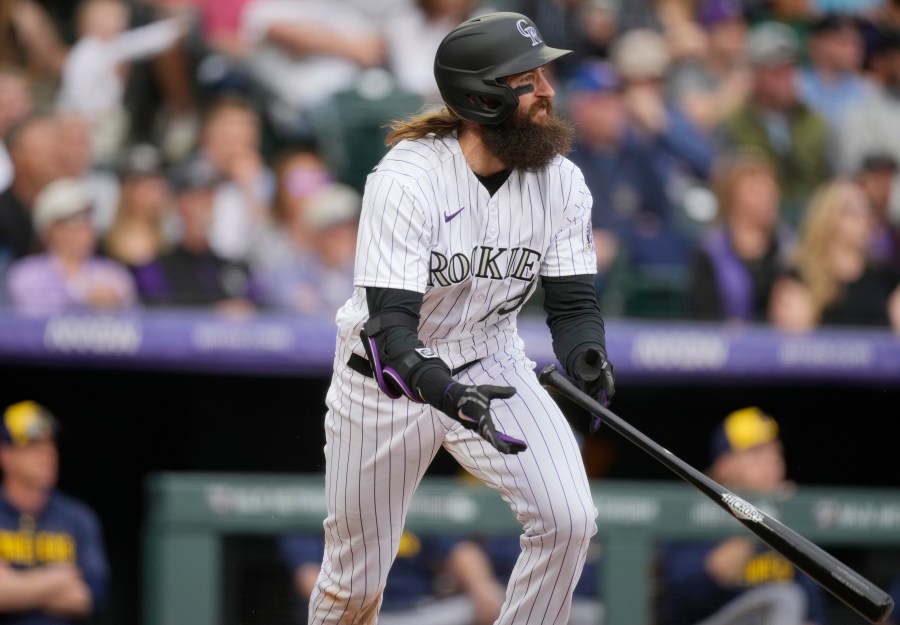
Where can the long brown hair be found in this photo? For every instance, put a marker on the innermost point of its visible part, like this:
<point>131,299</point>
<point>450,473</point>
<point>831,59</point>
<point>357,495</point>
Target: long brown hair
<point>441,123</point>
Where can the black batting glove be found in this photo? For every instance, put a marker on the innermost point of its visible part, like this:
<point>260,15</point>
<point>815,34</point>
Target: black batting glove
<point>597,378</point>
<point>471,406</point>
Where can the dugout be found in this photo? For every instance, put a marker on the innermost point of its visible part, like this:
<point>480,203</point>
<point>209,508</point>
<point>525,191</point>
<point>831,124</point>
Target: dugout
<point>196,393</point>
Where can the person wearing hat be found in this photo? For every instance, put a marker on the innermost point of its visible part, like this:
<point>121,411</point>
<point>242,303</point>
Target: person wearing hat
<point>53,564</point>
<point>68,276</point>
<point>318,278</point>
<point>191,273</point>
<point>776,122</point>
<point>832,82</point>
<point>872,126</point>
<point>739,580</point>
<point>632,146</point>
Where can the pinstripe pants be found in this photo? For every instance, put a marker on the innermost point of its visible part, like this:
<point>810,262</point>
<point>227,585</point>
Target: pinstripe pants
<point>377,451</point>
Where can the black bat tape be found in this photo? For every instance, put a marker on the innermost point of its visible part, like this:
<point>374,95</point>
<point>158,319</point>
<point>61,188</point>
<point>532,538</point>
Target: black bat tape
<point>847,585</point>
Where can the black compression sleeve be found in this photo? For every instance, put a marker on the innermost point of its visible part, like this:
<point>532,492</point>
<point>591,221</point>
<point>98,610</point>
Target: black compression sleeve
<point>573,316</point>
<point>431,377</point>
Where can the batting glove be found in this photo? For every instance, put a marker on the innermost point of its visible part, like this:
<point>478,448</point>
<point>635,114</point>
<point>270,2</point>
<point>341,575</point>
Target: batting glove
<point>597,378</point>
<point>471,406</point>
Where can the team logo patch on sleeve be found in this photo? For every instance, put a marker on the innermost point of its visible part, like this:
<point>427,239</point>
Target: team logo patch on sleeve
<point>589,236</point>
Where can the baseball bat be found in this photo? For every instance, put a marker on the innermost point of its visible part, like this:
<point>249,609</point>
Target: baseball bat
<point>837,578</point>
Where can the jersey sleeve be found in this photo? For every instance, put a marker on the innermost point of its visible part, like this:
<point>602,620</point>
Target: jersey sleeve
<point>571,250</point>
<point>392,247</point>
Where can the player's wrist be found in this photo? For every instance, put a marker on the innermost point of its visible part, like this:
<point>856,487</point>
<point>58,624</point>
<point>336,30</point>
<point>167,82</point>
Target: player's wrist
<point>431,382</point>
<point>450,398</point>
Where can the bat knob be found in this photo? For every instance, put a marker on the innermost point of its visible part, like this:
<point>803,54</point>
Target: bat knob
<point>544,376</point>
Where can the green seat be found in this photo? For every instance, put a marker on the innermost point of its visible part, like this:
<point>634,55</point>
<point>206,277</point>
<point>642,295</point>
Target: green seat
<point>351,128</point>
<point>645,292</point>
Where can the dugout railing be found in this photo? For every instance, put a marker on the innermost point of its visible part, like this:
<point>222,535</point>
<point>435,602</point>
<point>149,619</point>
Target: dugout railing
<point>190,515</point>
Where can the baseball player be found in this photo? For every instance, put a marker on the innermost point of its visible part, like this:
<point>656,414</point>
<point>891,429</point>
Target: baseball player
<point>473,206</point>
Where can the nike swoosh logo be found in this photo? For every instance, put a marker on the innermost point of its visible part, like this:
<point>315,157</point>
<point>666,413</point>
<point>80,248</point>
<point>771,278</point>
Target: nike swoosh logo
<point>448,217</point>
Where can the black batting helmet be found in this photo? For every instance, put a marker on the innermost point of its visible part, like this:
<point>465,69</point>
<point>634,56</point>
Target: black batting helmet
<point>478,52</point>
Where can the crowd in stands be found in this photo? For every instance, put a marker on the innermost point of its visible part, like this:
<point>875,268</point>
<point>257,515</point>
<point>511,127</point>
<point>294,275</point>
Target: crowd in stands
<point>742,155</point>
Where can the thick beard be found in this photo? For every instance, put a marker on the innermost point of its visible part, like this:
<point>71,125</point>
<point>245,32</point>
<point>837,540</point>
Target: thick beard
<point>526,145</point>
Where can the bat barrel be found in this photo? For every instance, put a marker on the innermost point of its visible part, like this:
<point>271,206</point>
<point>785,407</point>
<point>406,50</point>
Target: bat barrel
<point>844,583</point>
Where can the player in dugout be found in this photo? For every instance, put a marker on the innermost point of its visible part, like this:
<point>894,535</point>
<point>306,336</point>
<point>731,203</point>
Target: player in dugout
<point>472,208</point>
<point>739,580</point>
<point>53,564</point>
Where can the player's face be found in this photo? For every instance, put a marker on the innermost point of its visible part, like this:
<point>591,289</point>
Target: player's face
<point>35,465</point>
<point>533,135</point>
<point>536,105</point>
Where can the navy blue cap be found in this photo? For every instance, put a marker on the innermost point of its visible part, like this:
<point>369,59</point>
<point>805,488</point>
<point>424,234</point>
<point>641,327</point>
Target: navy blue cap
<point>595,76</point>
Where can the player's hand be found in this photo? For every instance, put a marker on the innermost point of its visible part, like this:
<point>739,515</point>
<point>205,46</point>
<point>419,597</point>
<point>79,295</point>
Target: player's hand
<point>597,378</point>
<point>473,410</point>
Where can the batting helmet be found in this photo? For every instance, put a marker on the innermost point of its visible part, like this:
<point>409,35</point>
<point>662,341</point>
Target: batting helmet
<point>476,54</point>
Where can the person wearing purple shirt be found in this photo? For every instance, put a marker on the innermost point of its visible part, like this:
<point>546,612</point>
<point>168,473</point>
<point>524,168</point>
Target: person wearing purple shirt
<point>68,276</point>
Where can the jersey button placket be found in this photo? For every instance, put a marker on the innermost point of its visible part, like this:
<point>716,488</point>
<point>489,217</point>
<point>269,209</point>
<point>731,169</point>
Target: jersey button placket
<point>492,220</point>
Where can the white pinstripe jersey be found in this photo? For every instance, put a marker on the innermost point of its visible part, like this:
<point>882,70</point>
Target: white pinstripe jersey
<point>428,225</point>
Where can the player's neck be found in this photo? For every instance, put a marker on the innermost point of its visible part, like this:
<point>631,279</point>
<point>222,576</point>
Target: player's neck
<point>479,158</point>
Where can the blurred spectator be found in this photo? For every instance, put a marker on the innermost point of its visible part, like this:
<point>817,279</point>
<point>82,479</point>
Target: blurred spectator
<point>191,274</point>
<point>424,583</point>
<point>223,46</point>
<point>739,580</point>
<point>873,124</point>
<point>798,15</point>
<point>35,44</point>
<point>163,94</point>
<point>876,177</point>
<point>627,175</point>
<point>833,82</point>
<point>304,52</point>
<point>220,23</point>
<point>712,84</point>
<point>94,75</point>
<point>68,276</point>
<point>642,58</point>
<point>142,227</point>
<point>635,150</point>
<point>318,278</point>
<point>413,33</point>
<point>777,123</point>
<point>300,172</point>
<point>33,150</point>
<point>75,150</point>
<point>53,564</point>
<point>16,102</point>
<point>231,143</point>
<point>833,279</point>
<point>738,259</point>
